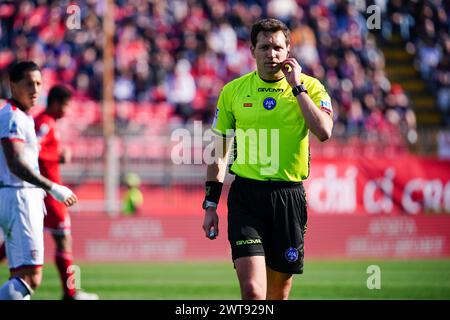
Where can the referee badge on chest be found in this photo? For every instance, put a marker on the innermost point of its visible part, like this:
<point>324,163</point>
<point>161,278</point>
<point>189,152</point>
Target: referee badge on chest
<point>269,103</point>
<point>291,254</point>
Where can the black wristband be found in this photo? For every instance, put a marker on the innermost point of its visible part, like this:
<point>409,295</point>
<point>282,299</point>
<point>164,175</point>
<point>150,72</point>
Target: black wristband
<point>213,189</point>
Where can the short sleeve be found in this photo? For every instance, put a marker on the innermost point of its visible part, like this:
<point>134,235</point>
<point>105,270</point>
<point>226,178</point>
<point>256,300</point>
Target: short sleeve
<point>320,97</point>
<point>11,127</point>
<point>223,119</point>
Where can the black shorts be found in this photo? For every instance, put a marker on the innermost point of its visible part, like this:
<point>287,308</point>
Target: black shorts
<point>268,218</point>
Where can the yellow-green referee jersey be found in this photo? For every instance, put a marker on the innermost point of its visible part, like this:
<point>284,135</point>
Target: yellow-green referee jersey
<point>268,125</point>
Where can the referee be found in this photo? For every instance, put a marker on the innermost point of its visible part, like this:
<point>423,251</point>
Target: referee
<point>269,113</point>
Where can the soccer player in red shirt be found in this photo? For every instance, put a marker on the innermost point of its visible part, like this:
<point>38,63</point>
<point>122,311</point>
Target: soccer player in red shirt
<point>57,220</point>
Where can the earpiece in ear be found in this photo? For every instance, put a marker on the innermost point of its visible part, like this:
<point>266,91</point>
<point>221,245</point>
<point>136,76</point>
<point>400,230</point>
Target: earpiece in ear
<point>288,68</point>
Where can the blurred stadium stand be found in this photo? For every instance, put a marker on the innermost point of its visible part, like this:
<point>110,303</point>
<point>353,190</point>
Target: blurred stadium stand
<point>390,87</point>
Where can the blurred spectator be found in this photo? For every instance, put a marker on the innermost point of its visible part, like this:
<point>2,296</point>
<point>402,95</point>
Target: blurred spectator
<point>399,113</point>
<point>443,140</point>
<point>285,10</point>
<point>442,76</point>
<point>426,31</point>
<point>401,17</point>
<point>222,39</point>
<point>124,87</point>
<point>181,89</point>
<point>428,56</point>
<point>133,198</point>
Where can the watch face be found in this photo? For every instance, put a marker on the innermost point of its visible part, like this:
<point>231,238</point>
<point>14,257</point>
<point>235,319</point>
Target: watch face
<point>297,89</point>
<point>206,204</point>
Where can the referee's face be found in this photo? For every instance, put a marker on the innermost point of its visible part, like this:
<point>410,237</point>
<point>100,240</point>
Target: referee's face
<point>269,52</point>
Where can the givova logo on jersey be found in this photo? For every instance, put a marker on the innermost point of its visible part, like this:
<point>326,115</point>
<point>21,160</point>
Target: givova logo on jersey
<point>270,90</point>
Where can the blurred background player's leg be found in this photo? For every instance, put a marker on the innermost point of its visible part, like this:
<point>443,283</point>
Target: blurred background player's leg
<point>63,261</point>
<point>57,221</point>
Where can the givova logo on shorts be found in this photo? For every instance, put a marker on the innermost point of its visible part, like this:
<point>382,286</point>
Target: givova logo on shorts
<point>249,241</point>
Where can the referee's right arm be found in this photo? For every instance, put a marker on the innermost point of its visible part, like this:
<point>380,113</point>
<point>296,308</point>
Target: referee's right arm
<point>215,174</point>
<point>217,170</point>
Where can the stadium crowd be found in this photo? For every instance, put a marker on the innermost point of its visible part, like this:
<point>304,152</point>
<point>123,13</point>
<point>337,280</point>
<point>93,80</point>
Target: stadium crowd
<point>425,28</point>
<point>182,52</point>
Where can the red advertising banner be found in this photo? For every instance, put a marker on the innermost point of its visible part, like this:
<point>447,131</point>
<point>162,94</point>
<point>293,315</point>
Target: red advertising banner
<point>354,185</point>
<point>174,238</point>
<point>358,207</point>
<point>359,185</point>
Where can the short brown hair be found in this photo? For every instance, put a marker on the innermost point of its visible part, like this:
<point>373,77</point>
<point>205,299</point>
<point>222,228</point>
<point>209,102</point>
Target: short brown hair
<point>269,25</point>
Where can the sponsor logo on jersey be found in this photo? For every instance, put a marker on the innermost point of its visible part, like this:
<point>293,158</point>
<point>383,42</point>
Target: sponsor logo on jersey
<point>325,105</point>
<point>269,103</point>
<point>13,128</point>
<point>270,90</point>
<point>216,116</point>
<point>291,254</point>
<point>34,254</point>
<point>249,241</point>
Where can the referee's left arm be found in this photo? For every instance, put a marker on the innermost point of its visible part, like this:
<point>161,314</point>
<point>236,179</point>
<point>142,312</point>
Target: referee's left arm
<point>319,122</point>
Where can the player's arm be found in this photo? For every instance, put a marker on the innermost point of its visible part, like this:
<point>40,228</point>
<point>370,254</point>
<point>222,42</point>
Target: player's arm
<point>319,122</point>
<point>215,175</point>
<point>13,150</point>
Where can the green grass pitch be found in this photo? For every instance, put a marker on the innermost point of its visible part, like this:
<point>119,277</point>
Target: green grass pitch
<point>322,279</point>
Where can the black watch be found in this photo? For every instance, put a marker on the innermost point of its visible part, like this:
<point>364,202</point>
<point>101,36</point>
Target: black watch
<point>206,204</point>
<point>299,89</point>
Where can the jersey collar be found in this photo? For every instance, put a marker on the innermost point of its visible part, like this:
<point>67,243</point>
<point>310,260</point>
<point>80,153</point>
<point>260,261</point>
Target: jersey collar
<point>268,81</point>
<point>16,104</point>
